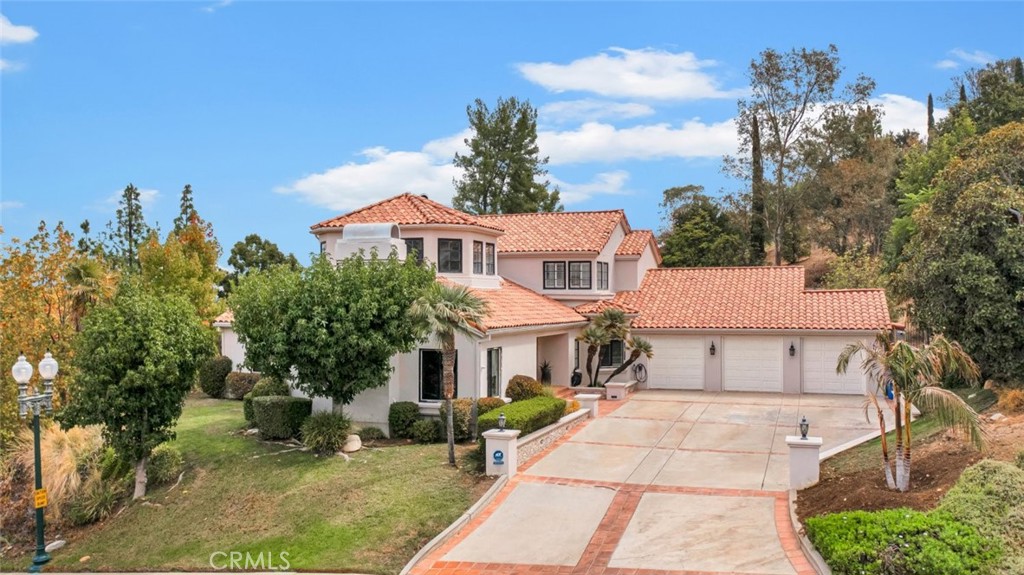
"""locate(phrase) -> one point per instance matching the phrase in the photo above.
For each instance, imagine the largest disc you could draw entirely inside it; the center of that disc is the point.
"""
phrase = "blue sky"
(284, 114)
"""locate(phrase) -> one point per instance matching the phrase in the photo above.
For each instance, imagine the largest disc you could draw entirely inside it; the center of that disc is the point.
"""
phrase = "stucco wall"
(231, 347)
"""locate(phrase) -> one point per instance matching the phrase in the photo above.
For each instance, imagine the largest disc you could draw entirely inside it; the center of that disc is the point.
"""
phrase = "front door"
(431, 374)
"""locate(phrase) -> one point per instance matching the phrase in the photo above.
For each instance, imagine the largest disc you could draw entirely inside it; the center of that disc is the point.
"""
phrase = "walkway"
(667, 483)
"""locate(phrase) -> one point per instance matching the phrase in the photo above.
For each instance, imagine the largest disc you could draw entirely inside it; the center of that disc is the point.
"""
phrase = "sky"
(283, 114)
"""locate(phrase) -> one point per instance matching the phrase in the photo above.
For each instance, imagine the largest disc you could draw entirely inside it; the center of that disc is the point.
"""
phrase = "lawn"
(370, 514)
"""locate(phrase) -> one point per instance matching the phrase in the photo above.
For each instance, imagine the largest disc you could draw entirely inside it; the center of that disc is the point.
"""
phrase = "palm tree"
(594, 338)
(915, 375)
(608, 325)
(89, 283)
(443, 311)
(638, 346)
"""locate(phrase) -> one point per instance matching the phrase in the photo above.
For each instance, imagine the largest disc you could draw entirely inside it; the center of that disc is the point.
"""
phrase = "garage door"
(820, 355)
(678, 362)
(752, 363)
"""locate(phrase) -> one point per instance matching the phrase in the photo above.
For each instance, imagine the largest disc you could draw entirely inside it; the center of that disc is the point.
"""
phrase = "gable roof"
(556, 232)
(406, 209)
(596, 307)
(634, 243)
(512, 305)
(750, 298)
(227, 318)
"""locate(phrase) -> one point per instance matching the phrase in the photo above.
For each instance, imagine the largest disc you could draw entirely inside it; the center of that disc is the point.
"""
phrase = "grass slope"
(368, 515)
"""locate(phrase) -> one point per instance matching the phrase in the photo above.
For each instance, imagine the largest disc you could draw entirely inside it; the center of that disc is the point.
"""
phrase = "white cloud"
(973, 57)
(643, 73)
(597, 142)
(607, 183)
(9, 66)
(589, 110)
(216, 6)
(15, 34)
(902, 113)
(946, 64)
(10, 205)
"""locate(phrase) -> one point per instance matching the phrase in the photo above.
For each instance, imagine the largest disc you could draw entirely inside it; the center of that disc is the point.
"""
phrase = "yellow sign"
(40, 496)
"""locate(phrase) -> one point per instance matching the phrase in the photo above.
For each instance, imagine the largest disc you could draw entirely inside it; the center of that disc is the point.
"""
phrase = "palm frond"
(951, 411)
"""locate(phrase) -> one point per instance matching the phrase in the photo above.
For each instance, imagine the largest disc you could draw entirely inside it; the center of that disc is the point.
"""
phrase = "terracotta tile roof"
(406, 209)
(513, 305)
(555, 231)
(634, 243)
(226, 317)
(750, 298)
(596, 307)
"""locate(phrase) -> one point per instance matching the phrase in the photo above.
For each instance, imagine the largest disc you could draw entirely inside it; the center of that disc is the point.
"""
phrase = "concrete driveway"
(671, 482)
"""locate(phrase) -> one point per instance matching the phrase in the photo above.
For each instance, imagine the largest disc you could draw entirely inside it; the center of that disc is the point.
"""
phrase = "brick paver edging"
(813, 557)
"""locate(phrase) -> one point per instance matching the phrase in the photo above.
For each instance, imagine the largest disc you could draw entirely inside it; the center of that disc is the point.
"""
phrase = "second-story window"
(449, 256)
(489, 259)
(554, 275)
(478, 257)
(602, 275)
(579, 275)
(414, 248)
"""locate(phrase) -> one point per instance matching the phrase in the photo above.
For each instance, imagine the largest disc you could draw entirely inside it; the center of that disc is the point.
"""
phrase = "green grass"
(866, 455)
(367, 515)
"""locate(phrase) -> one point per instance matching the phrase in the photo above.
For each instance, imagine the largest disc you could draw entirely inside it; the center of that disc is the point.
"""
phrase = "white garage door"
(820, 355)
(752, 363)
(678, 362)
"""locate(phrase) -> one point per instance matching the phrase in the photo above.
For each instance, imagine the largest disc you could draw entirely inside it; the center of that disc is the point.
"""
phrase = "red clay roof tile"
(513, 305)
(406, 209)
(556, 231)
(634, 243)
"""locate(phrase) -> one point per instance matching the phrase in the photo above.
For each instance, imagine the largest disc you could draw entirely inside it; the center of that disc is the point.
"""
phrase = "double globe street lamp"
(22, 372)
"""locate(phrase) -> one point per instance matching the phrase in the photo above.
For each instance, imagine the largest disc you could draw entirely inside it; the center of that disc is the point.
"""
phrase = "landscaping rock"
(84, 559)
(996, 417)
(55, 545)
(352, 444)
(252, 431)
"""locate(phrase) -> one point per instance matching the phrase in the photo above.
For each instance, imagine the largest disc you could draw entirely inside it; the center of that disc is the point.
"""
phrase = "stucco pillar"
(501, 451)
(804, 464)
(791, 364)
(589, 401)
(615, 390)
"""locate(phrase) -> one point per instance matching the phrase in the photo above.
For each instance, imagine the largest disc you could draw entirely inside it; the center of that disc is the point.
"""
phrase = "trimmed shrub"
(527, 416)
(571, 407)
(266, 386)
(370, 433)
(280, 416)
(239, 383)
(900, 541)
(164, 464)
(460, 417)
(1011, 401)
(212, 375)
(426, 431)
(523, 387)
(485, 404)
(325, 432)
(401, 417)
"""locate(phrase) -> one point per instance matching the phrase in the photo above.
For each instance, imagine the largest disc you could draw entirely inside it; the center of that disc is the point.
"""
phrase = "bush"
(460, 417)
(95, 501)
(1011, 401)
(371, 433)
(523, 387)
(68, 459)
(325, 432)
(426, 431)
(527, 416)
(239, 383)
(571, 407)
(164, 464)
(279, 416)
(401, 417)
(1020, 459)
(113, 467)
(485, 404)
(899, 541)
(266, 386)
(212, 375)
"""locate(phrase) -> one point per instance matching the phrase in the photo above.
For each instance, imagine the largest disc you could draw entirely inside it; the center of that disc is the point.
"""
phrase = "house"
(544, 275)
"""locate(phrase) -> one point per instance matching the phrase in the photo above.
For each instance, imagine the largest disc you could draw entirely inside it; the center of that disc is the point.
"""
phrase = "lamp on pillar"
(805, 426)
(501, 421)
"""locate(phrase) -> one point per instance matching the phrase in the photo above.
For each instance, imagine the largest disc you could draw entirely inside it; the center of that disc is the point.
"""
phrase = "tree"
(964, 266)
(503, 169)
(187, 210)
(757, 214)
(610, 324)
(790, 95)
(332, 326)
(931, 117)
(637, 346)
(991, 96)
(137, 358)
(702, 234)
(121, 242)
(915, 376)
(254, 254)
(444, 311)
(593, 338)
(37, 312)
(90, 282)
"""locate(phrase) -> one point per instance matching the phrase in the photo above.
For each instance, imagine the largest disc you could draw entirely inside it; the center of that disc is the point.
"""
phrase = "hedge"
(239, 383)
(401, 417)
(527, 416)
(280, 416)
(461, 409)
(485, 404)
(212, 374)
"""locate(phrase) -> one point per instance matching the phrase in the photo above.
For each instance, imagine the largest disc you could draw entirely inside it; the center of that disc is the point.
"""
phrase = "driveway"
(670, 482)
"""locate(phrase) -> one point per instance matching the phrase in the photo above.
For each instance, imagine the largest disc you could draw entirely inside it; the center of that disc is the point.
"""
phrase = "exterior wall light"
(805, 426)
(712, 350)
(501, 421)
(792, 349)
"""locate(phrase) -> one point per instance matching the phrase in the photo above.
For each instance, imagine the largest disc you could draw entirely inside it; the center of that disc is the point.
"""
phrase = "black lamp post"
(501, 421)
(805, 426)
(712, 349)
(22, 372)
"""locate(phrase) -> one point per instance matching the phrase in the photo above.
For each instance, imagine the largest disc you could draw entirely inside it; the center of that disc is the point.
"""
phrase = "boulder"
(352, 444)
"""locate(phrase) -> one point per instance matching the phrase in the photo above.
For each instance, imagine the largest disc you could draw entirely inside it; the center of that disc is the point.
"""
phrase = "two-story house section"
(574, 257)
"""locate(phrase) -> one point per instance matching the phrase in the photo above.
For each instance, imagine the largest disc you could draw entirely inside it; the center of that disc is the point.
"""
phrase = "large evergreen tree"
(503, 170)
(757, 221)
(255, 253)
(122, 240)
(701, 234)
(187, 209)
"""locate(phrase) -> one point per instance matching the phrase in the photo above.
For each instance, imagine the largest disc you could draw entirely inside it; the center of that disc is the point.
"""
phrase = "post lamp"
(805, 426)
(22, 372)
(501, 421)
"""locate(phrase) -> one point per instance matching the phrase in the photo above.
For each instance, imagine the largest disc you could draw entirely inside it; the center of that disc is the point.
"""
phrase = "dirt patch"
(935, 467)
